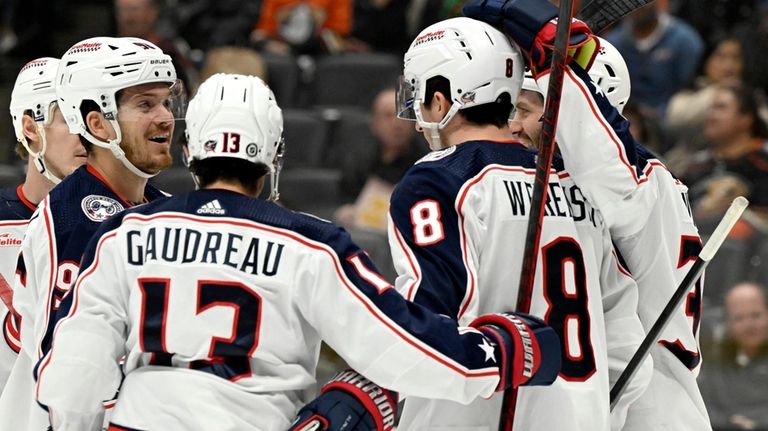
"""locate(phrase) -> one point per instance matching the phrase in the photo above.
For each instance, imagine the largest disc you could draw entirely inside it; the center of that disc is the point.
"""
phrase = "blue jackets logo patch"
(99, 208)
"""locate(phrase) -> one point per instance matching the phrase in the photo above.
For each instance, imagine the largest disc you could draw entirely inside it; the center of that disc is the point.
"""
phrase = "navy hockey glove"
(528, 351)
(532, 24)
(349, 402)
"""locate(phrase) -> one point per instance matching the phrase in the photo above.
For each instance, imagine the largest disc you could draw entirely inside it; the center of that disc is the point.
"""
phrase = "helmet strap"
(435, 127)
(274, 173)
(114, 146)
(38, 158)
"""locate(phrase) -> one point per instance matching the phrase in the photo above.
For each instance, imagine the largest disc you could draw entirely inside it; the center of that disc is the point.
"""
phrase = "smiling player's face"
(526, 125)
(146, 124)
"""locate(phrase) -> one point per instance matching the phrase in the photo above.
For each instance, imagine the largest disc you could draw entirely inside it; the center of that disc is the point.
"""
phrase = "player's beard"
(148, 156)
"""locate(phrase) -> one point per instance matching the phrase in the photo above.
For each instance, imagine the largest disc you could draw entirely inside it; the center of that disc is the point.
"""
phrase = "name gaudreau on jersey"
(562, 201)
(248, 254)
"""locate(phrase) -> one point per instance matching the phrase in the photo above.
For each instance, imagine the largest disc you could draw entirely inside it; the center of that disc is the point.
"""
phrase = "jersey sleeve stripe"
(53, 268)
(371, 277)
(410, 292)
(606, 127)
(13, 223)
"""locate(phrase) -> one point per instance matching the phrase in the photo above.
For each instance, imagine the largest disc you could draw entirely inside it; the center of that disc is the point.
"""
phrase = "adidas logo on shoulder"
(212, 207)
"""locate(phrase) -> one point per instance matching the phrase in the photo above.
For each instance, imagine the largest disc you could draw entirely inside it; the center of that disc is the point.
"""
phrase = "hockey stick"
(599, 14)
(540, 186)
(705, 256)
(6, 293)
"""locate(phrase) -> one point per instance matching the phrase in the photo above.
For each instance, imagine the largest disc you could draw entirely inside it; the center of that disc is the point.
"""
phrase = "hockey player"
(117, 94)
(652, 229)
(226, 297)
(458, 222)
(51, 153)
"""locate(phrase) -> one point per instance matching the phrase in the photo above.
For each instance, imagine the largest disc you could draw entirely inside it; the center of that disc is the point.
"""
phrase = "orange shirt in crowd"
(335, 15)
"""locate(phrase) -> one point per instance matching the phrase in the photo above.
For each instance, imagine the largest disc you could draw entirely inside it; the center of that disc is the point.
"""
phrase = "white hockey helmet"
(529, 83)
(34, 91)
(478, 61)
(236, 116)
(96, 69)
(610, 73)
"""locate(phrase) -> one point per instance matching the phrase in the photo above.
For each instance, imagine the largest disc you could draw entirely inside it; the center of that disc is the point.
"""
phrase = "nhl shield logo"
(99, 208)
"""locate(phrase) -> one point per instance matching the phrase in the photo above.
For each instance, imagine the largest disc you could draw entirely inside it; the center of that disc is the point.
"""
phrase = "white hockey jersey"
(46, 269)
(457, 227)
(649, 217)
(219, 303)
(15, 211)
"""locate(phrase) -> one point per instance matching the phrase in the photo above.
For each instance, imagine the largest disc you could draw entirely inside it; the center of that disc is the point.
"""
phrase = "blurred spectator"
(207, 24)
(28, 27)
(661, 52)
(734, 380)
(379, 25)
(688, 108)
(736, 161)
(303, 26)
(138, 18)
(369, 183)
(715, 19)
(7, 34)
(643, 129)
(233, 59)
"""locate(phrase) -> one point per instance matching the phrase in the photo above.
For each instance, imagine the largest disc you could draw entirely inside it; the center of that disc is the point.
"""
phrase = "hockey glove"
(528, 351)
(532, 24)
(349, 402)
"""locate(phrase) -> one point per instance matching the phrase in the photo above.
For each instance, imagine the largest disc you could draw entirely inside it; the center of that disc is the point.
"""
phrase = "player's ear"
(99, 126)
(441, 102)
(29, 128)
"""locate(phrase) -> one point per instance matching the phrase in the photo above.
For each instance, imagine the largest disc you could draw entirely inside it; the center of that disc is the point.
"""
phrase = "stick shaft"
(539, 197)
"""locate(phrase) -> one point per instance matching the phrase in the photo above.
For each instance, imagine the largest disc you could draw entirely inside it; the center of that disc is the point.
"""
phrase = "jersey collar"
(23, 199)
(91, 170)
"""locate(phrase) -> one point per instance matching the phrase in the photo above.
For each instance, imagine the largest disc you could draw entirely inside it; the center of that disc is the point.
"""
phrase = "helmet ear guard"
(236, 116)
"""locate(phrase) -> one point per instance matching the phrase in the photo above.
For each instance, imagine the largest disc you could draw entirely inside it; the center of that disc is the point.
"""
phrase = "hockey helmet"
(96, 69)
(610, 73)
(477, 60)
(34, 91)
(236, 116)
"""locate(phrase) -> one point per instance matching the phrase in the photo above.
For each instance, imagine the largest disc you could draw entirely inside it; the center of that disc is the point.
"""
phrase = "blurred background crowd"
(699, 75)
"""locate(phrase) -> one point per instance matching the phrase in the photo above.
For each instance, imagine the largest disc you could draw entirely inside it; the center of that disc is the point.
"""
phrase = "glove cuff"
(522, 367)
(379, 402)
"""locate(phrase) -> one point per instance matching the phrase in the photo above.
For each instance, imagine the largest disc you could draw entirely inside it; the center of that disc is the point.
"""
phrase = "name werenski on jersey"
(562, 201)
(184, 245)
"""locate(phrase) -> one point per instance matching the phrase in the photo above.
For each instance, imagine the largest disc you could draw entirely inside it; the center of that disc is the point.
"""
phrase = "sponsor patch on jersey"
(212, 207)
(8, 240)
(437, 155)
(99, 208)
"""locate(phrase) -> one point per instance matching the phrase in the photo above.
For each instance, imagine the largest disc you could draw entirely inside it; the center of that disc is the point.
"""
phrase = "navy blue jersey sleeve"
(427, 233)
